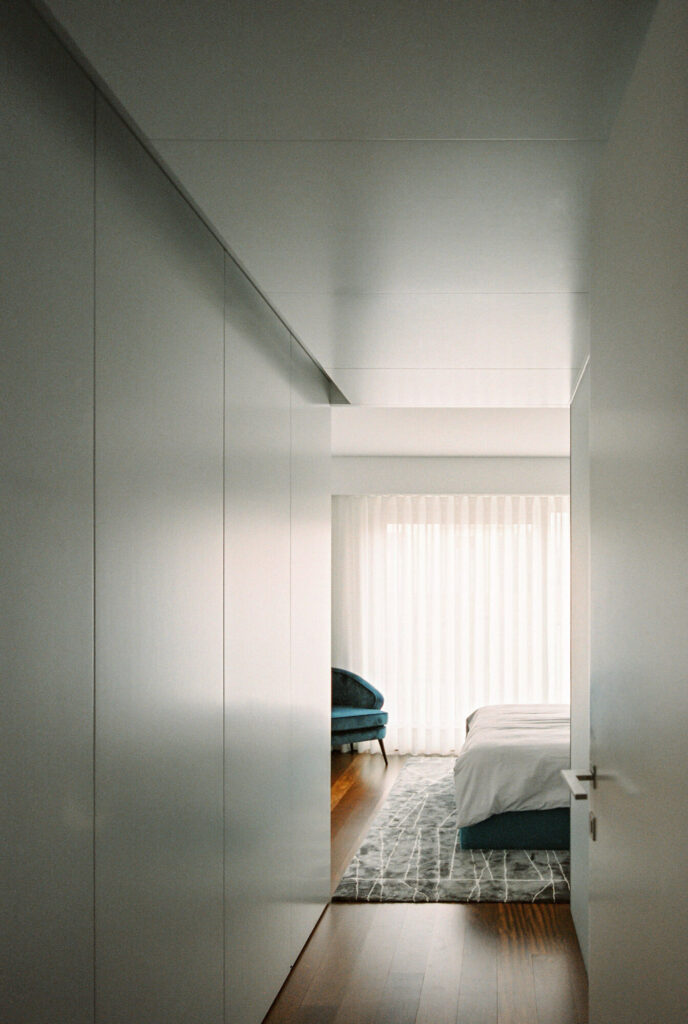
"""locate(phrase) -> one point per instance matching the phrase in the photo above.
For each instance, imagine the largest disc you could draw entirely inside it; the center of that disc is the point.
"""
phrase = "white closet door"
(257, 652)
(159, 541)
(46, 529)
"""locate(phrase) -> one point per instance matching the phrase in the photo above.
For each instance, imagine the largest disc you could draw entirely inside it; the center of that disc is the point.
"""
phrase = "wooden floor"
(437, 963)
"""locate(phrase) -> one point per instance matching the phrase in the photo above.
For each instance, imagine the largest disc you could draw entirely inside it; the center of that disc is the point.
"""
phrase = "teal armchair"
(356, 711)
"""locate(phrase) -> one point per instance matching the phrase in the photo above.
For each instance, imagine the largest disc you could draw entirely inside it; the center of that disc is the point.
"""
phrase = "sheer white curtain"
(448, 602)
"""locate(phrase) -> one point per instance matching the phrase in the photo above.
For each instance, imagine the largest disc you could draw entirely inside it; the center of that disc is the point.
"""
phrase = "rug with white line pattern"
(411, 852)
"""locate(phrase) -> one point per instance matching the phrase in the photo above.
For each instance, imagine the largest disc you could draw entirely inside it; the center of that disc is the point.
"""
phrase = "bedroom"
(449, 602)
(220, 222)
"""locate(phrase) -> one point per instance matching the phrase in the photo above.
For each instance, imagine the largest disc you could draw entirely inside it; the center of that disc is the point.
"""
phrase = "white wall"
(362, 430)
(166, 461)
(390, 475)
(639, 544)
(310, 704)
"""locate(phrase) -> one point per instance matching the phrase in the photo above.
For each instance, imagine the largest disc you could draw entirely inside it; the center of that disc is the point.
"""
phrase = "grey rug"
(411, 853)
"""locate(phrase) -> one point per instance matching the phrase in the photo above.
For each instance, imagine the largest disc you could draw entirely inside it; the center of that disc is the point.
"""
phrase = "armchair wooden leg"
(382, 748)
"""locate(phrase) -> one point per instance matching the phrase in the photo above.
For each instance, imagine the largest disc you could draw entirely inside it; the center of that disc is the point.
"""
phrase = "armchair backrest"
(351, 690)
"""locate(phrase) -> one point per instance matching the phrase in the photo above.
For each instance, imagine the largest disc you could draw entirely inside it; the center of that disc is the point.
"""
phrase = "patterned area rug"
(411, 853)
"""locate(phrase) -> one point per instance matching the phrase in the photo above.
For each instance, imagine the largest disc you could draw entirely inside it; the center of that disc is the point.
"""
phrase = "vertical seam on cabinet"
(224, 648)
(292, 861)
(93, 428)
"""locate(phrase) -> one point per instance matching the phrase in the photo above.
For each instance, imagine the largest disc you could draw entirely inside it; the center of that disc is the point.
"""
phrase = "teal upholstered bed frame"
(519, 830)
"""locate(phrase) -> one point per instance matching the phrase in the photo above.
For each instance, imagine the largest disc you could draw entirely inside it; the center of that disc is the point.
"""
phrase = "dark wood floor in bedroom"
(438, 963)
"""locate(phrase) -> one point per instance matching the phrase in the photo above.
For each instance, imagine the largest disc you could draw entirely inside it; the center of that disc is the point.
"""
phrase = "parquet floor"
(431, 963)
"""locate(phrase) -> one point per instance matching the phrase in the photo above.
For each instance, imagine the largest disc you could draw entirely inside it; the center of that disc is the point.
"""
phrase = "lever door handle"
(573, 780)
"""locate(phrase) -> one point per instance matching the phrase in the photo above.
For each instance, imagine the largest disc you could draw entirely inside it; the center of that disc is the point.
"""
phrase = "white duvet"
(512, 760)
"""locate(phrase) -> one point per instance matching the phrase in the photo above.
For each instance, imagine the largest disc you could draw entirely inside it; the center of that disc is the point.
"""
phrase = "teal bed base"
(519, 830)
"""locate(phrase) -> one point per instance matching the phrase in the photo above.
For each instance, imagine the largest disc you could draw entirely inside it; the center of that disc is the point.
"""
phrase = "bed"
(509, 790)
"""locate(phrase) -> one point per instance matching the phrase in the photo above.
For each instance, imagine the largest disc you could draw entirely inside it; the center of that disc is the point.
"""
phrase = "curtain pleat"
(449, 602)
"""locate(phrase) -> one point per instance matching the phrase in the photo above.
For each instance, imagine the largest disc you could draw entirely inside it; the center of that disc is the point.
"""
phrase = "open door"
(638, 958)
(580, 649)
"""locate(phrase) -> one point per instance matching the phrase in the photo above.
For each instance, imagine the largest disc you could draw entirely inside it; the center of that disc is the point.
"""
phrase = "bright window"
(448, 602)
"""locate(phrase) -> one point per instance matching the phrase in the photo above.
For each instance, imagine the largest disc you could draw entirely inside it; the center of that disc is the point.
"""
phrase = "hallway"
(433, 963)
(258, 258)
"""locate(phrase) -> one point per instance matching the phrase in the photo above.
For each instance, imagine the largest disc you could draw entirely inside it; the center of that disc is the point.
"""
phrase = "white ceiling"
(389, 256)
(409, 183)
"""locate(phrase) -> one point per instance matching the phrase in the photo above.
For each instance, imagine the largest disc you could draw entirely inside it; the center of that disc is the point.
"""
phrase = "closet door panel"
(159, 551)
(46, 528)
(309, 757)
(257, 651)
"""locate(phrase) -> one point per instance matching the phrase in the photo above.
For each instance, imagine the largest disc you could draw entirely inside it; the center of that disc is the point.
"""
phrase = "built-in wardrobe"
(165, 602)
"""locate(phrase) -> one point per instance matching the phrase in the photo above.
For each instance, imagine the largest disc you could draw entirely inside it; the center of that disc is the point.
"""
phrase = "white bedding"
(512, 760)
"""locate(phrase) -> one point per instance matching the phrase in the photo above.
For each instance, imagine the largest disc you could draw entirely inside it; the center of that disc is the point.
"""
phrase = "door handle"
(573, 780)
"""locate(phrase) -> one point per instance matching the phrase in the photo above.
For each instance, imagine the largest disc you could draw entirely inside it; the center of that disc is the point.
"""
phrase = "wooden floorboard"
(289, 1001)
(361, 783)
(553, 990)
(400, 998)
(477, 1002)
(515, 982)
(437, 963)
(439, 999)
(364, 990)
(329, 985)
